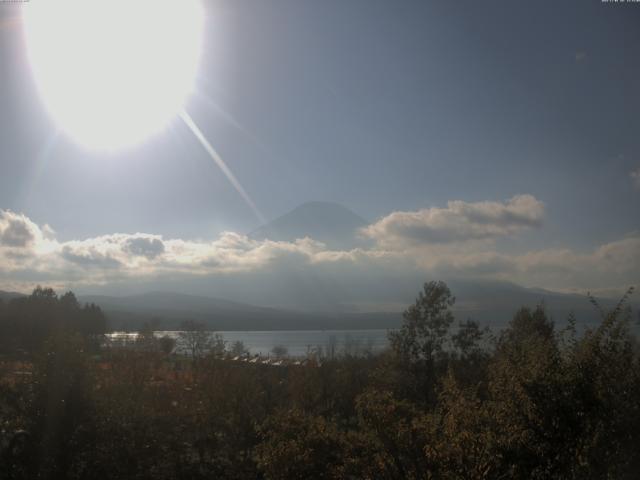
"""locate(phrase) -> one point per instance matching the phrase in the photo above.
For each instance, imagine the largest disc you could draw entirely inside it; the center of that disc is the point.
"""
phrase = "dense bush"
(532, 403)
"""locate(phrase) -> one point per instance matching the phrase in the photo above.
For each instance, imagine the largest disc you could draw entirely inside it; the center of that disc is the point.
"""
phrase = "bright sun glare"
(112, 73)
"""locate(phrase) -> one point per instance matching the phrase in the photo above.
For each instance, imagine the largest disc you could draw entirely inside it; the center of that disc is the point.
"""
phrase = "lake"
(297, 342)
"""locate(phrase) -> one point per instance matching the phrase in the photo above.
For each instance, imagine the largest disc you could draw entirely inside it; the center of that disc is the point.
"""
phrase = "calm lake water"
(297, 342)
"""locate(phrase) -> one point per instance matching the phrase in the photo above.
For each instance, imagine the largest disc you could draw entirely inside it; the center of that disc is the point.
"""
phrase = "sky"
(480, 139)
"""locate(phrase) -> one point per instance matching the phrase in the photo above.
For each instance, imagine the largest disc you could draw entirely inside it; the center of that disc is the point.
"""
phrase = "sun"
(112, 73)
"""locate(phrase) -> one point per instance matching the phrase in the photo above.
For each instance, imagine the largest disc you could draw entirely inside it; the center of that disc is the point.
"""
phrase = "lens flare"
(112, 73)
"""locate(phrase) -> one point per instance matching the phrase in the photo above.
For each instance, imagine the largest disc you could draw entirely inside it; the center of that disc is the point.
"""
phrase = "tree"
(167, 344)
(146, 339)
(68, 301)
(238, 348)
(426, 323)
(217, 345)
(299, 446)
(279, 351)
(198, 342)
(28, 321)
(44, 295)
(468, 340)
(400, 436)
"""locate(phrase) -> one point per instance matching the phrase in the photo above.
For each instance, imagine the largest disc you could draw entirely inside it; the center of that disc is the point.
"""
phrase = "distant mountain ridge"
(170, 309)
(328, 222)
(6, 296)
(490, 303)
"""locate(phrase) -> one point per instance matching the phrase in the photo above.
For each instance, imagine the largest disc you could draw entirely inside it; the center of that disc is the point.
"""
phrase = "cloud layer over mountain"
(457, 241)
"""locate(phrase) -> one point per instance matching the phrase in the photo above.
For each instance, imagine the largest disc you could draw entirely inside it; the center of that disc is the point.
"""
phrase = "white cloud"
(32, 255)
(458, 222)
(17, 231)
(148, 246)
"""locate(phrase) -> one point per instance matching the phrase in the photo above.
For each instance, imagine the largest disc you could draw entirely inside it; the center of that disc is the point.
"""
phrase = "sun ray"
(231, 120)
(221, 164)
(41, 163)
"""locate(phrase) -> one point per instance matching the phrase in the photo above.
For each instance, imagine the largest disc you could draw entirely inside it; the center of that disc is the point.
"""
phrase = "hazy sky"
(383, 106)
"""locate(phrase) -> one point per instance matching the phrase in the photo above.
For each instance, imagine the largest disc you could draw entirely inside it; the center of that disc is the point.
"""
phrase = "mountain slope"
(494, 303)
(328, 222)
(6, 296)
(170, 309)
(490, 303)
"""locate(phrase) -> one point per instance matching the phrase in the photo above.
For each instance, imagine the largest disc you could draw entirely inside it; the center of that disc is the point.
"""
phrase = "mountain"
(327, 222)
(6, 296)
(494, 303)
(170, 309)
(491, 303)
